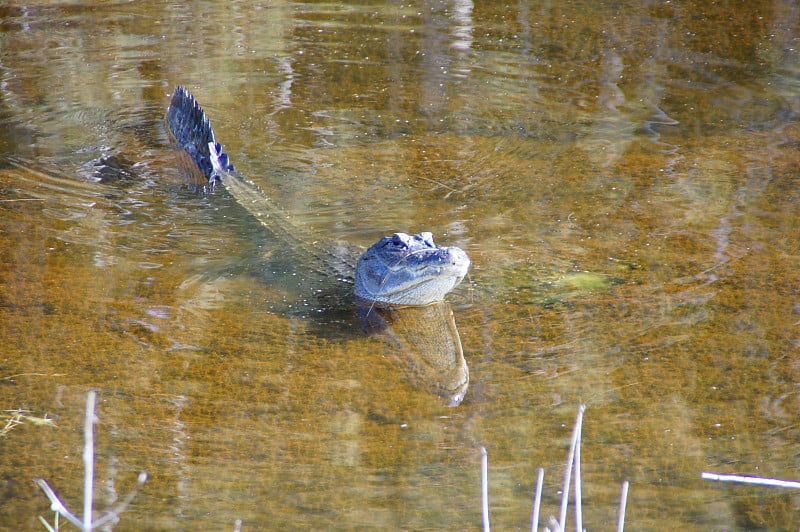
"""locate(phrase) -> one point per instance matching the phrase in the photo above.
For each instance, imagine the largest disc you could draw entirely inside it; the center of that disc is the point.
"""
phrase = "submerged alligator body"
(402, 270)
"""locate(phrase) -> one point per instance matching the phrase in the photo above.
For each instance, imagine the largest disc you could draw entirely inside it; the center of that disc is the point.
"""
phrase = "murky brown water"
(653, 146)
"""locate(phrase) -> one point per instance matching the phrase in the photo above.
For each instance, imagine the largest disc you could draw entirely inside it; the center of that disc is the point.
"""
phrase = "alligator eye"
(399, 241)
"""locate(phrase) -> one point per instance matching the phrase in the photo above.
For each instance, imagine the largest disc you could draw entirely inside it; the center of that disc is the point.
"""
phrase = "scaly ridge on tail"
(191, 129)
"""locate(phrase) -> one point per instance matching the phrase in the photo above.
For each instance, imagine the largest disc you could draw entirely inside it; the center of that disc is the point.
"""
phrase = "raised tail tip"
(191, 129)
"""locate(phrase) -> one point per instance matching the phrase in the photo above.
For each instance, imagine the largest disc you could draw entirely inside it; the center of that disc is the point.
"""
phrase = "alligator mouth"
(422, 290)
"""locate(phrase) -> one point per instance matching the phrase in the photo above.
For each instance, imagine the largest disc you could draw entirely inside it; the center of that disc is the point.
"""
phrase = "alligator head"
(409, 270)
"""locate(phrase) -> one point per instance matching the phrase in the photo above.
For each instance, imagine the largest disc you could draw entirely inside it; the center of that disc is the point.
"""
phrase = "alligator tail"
(190, 129)
(202, 163)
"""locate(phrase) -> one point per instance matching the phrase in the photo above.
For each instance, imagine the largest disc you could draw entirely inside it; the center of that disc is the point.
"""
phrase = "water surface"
(624, 178)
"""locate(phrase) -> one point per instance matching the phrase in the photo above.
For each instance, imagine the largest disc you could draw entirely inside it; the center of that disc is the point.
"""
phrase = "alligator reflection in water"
(425, 343)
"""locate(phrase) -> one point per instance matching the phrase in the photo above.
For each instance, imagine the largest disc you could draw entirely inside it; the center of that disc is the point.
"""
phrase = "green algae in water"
(584, 281)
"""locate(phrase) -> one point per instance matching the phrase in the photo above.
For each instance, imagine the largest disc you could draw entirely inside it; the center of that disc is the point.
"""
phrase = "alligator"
(400, 281)
(397, 270)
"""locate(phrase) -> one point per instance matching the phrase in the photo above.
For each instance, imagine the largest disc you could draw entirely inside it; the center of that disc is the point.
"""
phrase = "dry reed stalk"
(111, 516)
(573, 461)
